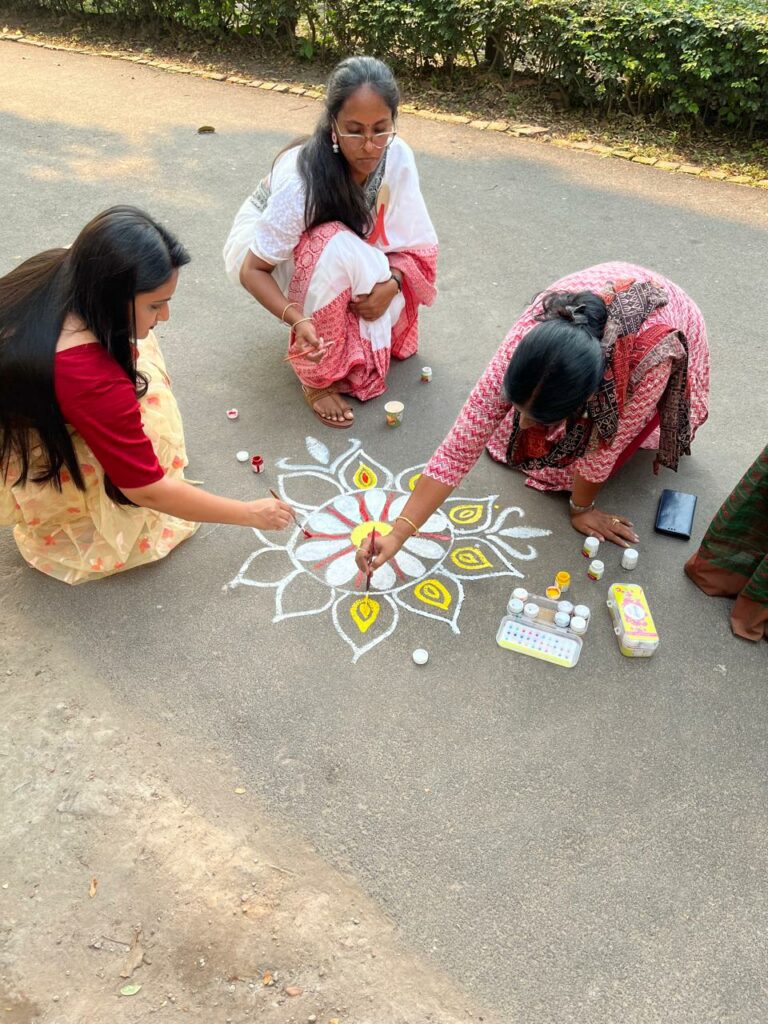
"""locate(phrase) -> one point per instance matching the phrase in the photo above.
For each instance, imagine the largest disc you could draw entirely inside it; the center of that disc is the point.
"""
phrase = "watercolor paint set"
(543, 628)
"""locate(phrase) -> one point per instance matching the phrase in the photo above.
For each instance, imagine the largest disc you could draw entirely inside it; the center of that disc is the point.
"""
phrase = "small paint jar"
(591, 547)
(563, 580)
(565, 606)
(562, 619)
(426, 374)
(394, 413)
(232, 414)
(553, 593)
(242, 456)
(578, 625)
(520, 593)
(515, 606)
(582, 612)
(596, 569)
(531, 610)
(257, 463)
(420, 656)
(629, 559)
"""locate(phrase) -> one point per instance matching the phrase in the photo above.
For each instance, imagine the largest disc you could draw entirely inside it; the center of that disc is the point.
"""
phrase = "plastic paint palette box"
(632, 620)
(540, 637)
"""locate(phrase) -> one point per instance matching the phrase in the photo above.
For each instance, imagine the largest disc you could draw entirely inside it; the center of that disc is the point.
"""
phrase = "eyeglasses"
(380, 140)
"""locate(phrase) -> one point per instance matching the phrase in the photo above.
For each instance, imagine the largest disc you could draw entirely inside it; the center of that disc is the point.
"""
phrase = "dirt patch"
(139, 883)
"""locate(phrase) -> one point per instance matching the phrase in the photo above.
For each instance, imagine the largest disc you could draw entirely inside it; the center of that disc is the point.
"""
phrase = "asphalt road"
(572, 846)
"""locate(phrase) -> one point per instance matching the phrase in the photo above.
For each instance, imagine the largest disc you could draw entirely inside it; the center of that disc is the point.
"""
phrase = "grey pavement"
(572, 846)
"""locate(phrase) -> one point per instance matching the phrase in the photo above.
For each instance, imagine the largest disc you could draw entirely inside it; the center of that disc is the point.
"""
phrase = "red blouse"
(98, 400)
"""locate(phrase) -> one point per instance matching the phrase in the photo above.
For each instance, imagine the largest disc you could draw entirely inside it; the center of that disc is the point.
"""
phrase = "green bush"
(702, 61)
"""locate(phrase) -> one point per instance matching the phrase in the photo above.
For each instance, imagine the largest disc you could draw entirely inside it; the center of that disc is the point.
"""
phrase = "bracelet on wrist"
(303, 320)
(405, 519)
(396, 279)
(577, 510)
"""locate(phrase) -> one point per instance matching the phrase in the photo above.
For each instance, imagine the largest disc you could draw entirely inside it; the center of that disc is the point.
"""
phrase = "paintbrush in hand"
(306, 352)
(370, 560)
(303, 529)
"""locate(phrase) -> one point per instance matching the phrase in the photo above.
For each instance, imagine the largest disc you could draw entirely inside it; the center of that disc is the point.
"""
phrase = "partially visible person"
(337, 243)
(732, 560)
(608, 360)
(92, 449)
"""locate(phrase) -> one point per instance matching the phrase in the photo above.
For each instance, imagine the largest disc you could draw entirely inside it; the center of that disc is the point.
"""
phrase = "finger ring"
(615, 519)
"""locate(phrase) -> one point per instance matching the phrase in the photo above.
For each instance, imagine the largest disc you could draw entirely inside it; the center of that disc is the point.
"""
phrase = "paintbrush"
(293, 513)
(305, 353)
(370, 559)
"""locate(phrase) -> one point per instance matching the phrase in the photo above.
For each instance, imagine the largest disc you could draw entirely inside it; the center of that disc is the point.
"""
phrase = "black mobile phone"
(674, 516)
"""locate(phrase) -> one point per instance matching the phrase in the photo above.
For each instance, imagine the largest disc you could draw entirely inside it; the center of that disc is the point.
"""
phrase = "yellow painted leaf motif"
(433, 592)
(466, 515)
(364, 613)
(413, 481)
(470, 559)
(364, 477)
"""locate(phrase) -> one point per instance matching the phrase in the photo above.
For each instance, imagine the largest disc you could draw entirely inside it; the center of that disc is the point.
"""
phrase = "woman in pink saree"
(337, 243)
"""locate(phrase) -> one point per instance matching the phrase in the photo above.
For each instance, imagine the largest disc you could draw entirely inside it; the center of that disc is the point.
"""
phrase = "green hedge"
(690, 60)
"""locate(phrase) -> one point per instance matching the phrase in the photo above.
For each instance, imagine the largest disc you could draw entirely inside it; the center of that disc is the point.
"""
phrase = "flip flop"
(312, 395)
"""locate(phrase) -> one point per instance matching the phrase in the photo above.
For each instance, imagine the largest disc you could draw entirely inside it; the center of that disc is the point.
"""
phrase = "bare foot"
(334, 408)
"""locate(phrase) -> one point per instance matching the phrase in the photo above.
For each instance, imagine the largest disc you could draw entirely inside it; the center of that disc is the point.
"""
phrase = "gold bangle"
(405, 519)
(302, 321)
(282, 316)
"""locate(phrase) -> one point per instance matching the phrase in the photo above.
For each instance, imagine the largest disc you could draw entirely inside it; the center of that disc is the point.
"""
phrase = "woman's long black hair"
(559, 363)
(119, 254)
(331, 191)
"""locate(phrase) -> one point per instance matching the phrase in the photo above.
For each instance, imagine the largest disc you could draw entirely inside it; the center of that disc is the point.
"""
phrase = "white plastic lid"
(581, 611)
(578, 624)
(565, 606)
(562, 619)
(515, 606)
(531, 610)
(520, 593)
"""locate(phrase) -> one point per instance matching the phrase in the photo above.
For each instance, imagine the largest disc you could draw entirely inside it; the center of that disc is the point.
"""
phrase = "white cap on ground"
(242, 456)
(420, 656)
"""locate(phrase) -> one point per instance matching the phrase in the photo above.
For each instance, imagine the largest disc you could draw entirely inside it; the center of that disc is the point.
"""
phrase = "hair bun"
(575, 314)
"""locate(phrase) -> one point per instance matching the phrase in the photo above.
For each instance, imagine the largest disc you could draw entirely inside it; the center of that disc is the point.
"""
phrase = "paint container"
(629, 559)
(242, 456)
(257, 463)
(515, 606)
(553, 593)
(520, 593)
(578, 625)
(531, 610)
(596, 569)
(565, 606)
(582, 612)
(563, 580)
(562, 619)
(420, 656)
(394, 413)
(426, 374)
(232, 414)
(591, 547)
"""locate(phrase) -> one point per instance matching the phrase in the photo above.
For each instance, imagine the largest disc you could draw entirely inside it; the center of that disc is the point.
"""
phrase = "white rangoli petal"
(374, 502)
(397, 507)
(384, 578)
(319, 550)
(341, 570)
(437, 523)
(409, 565)
(349, 507)
(425, 548)
(325, 522)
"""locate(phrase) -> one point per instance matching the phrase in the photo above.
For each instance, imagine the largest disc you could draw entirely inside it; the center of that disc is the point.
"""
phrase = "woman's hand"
(377, 302)
(385, 548)
(268, 514)
(605, 526)
(307, 342)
